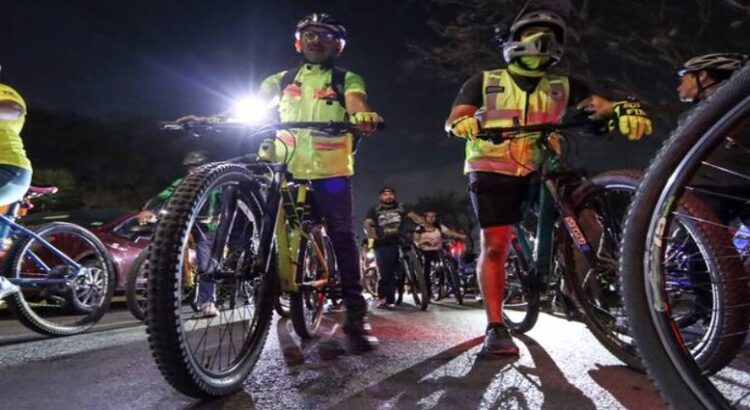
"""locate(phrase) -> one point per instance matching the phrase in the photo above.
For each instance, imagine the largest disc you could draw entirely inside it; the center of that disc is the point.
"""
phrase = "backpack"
(338, 75)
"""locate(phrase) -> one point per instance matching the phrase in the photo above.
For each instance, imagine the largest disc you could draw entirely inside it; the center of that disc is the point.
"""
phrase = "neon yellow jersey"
(11, 146)
(314, 154)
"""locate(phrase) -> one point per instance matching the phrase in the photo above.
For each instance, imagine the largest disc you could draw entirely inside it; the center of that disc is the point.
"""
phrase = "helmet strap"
(702, 88)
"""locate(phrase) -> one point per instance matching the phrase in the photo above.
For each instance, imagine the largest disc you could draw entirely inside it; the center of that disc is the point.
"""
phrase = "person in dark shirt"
(524, 93)
(384, 225)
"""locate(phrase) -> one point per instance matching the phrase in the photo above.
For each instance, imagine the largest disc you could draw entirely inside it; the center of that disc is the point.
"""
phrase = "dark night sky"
(113, 59)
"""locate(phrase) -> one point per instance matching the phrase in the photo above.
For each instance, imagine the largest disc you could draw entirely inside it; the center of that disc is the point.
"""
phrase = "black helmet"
(728, 62)
(195, 158)
(513, 47)
(321, 20)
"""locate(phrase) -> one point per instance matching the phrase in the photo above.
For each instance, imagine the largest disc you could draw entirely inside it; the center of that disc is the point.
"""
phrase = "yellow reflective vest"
(504, 103)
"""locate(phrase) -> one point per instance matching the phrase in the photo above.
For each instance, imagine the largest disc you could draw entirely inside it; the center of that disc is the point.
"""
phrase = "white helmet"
(513, 47)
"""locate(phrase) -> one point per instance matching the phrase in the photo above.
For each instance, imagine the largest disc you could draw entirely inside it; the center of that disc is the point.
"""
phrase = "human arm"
(12, 106)
(627, 116)
(451, 233)
(416, 218)
(461, 121)
(355, 99)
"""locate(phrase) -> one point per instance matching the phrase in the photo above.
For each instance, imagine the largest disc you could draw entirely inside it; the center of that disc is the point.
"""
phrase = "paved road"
(427, 360)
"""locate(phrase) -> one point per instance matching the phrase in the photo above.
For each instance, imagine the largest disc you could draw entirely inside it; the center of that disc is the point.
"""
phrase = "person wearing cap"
(15, 167)
(523, 93)
(384, 226)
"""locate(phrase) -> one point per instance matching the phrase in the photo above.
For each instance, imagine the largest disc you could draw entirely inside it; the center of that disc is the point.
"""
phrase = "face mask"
(534, 62)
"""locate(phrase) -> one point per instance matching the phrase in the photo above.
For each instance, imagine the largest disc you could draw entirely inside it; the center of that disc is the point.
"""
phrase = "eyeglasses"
(322, 36)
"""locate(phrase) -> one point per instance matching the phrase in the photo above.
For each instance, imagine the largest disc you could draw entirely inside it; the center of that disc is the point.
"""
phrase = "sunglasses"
(322, 36)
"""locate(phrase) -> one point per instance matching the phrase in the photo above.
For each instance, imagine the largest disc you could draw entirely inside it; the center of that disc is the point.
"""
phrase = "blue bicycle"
(63, 272)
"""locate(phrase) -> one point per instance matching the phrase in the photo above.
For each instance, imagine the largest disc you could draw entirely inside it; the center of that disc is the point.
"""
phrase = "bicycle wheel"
(135, 286)
(218, 209)
(521, 297)
(700, 148)
(600, 206)
(65, 308)
(455, 280)
(414, 270)
(315, 267)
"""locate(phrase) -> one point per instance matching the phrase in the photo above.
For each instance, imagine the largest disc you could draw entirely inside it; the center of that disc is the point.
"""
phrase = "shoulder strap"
(288, 77)
(338, 77)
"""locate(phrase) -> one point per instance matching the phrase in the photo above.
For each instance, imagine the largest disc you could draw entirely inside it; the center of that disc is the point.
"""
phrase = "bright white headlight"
(251, 110)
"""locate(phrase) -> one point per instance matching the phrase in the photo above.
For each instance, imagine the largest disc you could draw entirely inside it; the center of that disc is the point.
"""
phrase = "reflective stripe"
(503, 167)
(502, 114)
(287, 138)
(328, 145)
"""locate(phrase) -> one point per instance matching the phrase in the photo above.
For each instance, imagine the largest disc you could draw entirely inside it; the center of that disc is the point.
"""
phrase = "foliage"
(453, 211)
(617, 48)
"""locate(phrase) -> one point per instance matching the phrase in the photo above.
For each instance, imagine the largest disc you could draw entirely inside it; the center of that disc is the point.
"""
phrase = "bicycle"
(706, 156)
(266, 239)
(65, 277)
(444, 273)
(411, 272)
(562, 257)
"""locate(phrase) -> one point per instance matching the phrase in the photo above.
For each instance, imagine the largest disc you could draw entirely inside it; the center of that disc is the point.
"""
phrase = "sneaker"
(6, 288)
(498, 343)
(358, 334)
(209, 309)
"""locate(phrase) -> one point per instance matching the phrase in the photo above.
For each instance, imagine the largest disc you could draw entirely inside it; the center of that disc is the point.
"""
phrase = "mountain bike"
(265, 238)
(445, 277)
(707, 156)
(411, 272)
(64, 273)
(563, 256)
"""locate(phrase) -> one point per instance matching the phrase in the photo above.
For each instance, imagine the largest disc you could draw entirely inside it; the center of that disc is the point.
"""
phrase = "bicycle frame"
(10, 227)
(551, 204)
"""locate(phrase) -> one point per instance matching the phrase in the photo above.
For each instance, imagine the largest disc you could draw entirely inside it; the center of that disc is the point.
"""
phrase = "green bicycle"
(264, 239)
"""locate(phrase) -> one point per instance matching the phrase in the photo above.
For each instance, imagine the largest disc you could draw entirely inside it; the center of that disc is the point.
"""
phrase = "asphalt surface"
(426, 360)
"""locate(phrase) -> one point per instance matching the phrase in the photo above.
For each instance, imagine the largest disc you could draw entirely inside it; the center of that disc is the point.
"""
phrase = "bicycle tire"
(678, 378)
(135, 297)
(169, 340)
(455, 279)
(517, 274)
(414, 271)
(306, 305)
(28, 310)
(599, 297)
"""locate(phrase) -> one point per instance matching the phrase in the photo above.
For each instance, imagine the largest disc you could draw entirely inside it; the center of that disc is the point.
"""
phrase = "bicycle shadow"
(457, 378)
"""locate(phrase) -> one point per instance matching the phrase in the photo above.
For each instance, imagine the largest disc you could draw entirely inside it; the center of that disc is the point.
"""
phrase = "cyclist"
(429, 237)
(499, 175)
(202, 237)
(700, 77)
(384, 225)
(15, 167)
(318, 90)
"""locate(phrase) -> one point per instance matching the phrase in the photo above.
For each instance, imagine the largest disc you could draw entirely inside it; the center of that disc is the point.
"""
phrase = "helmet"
(321, 20)
(513, 47)
(195, 158)
(729, 62)
(387, 189)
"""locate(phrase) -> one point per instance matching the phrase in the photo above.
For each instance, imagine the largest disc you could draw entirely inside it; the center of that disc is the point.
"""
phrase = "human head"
(535, 40)
(430, 217)
(387, 195)
(194, 159)
(700, 76)
(320, 38)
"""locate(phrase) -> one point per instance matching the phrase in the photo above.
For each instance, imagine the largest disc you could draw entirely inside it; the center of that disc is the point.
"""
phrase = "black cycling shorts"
(498, 199)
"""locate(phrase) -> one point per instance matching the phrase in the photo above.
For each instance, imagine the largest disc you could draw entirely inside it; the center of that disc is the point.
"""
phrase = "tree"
(453, 211)
(617, 48)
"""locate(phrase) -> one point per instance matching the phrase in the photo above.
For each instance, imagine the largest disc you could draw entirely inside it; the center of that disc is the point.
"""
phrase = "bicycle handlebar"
(332, 127)
(499, 135)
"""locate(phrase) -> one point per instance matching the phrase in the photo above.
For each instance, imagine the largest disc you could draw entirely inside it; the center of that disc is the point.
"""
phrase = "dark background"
(98, 75)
